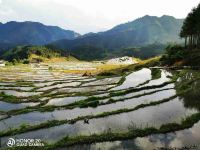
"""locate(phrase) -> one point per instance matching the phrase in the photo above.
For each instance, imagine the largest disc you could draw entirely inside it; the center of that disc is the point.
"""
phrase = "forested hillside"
(189, 54)
(34, 33)
(138, 33)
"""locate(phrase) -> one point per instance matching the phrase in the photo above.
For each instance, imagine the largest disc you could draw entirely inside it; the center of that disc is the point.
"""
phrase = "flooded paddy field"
(138, 110)
(188, 139)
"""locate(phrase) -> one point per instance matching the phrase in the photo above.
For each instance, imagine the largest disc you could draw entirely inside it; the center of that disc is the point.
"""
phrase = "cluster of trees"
(143, 52)
(22, 53)
(191, 28)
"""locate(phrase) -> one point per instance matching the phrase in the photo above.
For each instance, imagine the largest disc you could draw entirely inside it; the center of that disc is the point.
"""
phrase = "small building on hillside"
(2, 63)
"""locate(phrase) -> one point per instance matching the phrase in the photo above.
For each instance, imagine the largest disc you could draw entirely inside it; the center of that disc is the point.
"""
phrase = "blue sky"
(90, 15)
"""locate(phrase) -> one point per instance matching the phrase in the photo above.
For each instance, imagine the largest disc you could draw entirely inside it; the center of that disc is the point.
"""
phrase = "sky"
(85, 16)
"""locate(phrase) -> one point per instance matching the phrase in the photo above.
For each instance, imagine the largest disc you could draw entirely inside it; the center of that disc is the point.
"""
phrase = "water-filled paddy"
(188, 139)
(65, 100)
(162, 79)
(4, 106)
(39, 117)
(169, 112)
(72, 84)
(138, 106)
(20, 94)
(134, 79)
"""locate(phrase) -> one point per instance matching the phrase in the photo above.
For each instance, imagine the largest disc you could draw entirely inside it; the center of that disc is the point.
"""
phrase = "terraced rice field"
(86, 112)
(188, 139)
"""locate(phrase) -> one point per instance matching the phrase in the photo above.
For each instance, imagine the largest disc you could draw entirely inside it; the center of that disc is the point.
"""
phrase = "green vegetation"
(53, 123)
(89, 102)
(190, 53)
(96, 101)
(15, 99)
(191, 29)
(118, 93)
(34, 33)
(174, 54)
(88, 52)
(155, 73)
(152, 62)
(144, 37)
(182, 88)
(9, 98)
(108, 46)
(123, 71)
(106, 74)
(132, 133)
(179, 56)
(143, 52)
(26, 54)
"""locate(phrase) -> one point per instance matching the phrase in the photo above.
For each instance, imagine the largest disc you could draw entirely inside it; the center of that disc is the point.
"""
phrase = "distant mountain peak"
(163, 16)
(142, 31)
(24, 22)
(147, 16)
(35, 33)
(155, 17)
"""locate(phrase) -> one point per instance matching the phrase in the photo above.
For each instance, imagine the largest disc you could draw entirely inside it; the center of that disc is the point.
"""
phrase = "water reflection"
(189, 81)
(188, 139)
(172, 111)
(39, 117)
(168, 112)
(135, 78)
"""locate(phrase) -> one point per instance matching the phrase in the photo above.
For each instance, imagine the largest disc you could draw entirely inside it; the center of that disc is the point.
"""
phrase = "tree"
(191, 28)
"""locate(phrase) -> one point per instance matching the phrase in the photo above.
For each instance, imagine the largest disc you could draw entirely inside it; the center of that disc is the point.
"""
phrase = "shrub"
(174, 53)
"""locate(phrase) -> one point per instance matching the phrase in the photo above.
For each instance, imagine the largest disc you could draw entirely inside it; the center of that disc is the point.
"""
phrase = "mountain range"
(33, 33)
(140, 32)
(128, 38)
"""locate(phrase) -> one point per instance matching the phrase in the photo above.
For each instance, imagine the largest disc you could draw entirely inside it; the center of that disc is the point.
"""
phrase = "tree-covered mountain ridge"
(34, 33)
(143, 31)
(144, 37)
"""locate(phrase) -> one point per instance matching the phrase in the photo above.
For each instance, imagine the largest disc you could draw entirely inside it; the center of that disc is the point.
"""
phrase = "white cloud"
(90, 15)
